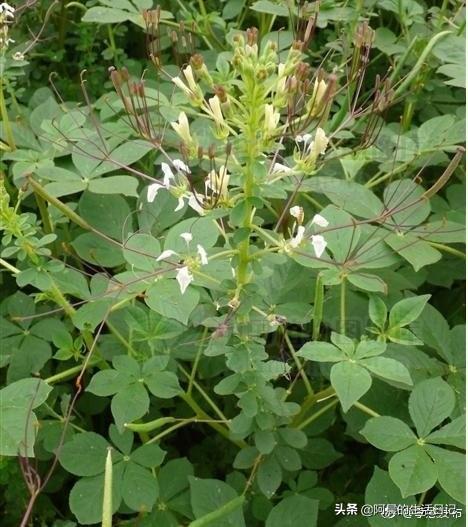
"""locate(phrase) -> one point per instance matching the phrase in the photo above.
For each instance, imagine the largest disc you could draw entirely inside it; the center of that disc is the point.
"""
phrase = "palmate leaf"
(18, 423)
(350, 381)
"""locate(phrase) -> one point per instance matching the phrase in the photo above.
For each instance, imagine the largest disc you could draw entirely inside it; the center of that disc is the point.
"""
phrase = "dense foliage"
(232, 262)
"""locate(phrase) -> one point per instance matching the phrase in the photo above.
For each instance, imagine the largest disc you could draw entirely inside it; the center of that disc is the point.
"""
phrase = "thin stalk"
(71, 372)
(447, 249)
(196, 361)
(366, 409)
(5, 119)
(317, 414)
(343, 307)
(318, 308)
(419, 64)
(8, 266)
(299, 365)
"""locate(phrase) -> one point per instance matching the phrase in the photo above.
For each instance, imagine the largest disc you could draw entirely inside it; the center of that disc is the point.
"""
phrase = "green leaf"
(141, 251)
(388, 369)
(381, 489)
(165, 298)
(377, 311)
(108, 214)
(164, 384)
(18, 423)
(108, 382)
(403, 336)
(125, 185)
(405, 197)
(320, 453)
(84, 455)
(265, 441)
(388, 433)
(269, 476)
(430, 403)
(148, 455)
(203, 231)
(208, 495)
(139, 488)
(130, 403)
(93, 249)
(368, 282)
(413, 471)
(369, 348)
(414, 250)
(265, 6)
(350, 382)
(408, 310)
(293, 437)
(344, 240)
(452, 433)
(105, 15)
(321, 352)
(294, 511)
(450, 467)
(87, 494)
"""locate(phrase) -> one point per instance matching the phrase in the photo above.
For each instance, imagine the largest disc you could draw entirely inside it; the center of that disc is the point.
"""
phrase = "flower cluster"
(184, 274)
(7, 14)
(178, 185)
(318, 241)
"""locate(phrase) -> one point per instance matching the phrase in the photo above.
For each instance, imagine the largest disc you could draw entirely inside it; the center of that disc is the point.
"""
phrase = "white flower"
(297, 212)
(182, 129)
(319, 244)
(18, 56)
(315, 104)
(218, 181)
(215, 107)
(184, 277)
(296, 241)
(165, 254)
(180, 165)
(187, 236)
(202, 254)
(278, 169)
(306, 139)
(320, 143)
(192, 91)
(152, 191)
(168, 175)
(7, 10)
(272, 118)
(320, 221)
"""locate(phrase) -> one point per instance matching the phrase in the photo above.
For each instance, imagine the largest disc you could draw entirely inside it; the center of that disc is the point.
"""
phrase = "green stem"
(310, 401)
(196, 361)
(200, 413)
(317, 414)
(343, 307)
(419, 64)
(205, 396)
(8, 266)
(299, 365)
(71, 372)
(212, 518)
(45, 216)
(318, 308)
(448, 249)
(366, 409)
(5, 119)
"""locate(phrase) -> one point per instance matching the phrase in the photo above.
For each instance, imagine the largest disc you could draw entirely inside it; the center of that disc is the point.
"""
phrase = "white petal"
(180, 165)
(295, 242)
(320, 220)
(187, 236)
(165, 254)
(195, 205)
(168, 175)
(184, 277)
(319, 244)
(152, 192)
(180, 204)
(306, 138)
(296, 212)
(278, 168)
(202, 253)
